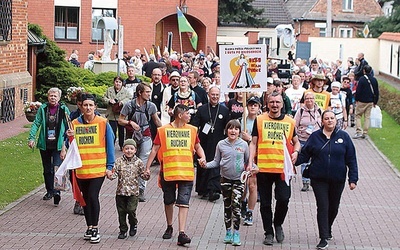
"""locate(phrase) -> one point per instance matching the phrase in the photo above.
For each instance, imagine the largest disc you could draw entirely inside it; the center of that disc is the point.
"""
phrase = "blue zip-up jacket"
(332, 163)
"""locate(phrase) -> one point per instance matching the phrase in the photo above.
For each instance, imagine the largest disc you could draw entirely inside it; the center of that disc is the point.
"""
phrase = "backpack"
(302, 110)
(133, 104)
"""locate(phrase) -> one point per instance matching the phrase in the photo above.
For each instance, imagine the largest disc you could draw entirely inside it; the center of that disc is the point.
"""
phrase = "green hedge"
(389, 100)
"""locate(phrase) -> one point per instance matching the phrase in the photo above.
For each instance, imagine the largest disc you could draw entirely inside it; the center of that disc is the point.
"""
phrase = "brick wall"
(366, 7)
(13, 56)
(139, 19)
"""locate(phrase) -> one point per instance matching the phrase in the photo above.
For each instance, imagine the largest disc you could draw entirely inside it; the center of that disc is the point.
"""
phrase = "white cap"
(336, 84)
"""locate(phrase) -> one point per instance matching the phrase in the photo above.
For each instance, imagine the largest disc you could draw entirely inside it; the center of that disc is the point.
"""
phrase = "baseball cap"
(336, 84)
(254, 99)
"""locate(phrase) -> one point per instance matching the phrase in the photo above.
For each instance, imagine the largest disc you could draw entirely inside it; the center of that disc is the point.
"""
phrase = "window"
(5, 20)
(346, 32)
(265, 40)
(98, 34)
(322, 32)
(347, 5)
(66, 26)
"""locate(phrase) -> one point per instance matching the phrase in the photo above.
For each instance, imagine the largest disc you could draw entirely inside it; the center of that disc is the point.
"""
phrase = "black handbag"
(306, 171)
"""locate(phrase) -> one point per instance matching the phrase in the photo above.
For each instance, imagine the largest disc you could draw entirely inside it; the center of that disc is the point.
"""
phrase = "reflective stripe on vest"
(176, 152)
(270, 154)
(91, 142)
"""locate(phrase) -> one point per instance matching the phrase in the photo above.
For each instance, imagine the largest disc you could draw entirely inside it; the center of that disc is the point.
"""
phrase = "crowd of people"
(246, 144)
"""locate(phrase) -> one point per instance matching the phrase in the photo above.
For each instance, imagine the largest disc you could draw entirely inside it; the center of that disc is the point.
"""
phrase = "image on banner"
(243, 68)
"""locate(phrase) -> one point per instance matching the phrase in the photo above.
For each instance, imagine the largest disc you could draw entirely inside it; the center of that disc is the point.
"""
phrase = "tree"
(240, 11)
(386, 24)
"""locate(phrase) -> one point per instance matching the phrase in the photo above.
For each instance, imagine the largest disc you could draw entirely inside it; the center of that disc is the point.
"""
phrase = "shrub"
(389, 101)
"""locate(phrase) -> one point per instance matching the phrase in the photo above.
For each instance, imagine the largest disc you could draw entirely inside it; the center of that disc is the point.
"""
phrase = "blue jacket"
(332, 163)
(364, 93)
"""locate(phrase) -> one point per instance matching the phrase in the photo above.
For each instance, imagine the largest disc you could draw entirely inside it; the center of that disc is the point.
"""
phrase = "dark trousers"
(126, 205)
(265, 182)
(208, 180)
(90, 189)
(327, 194)
(121, 132)
(50, 159)
(232, 191)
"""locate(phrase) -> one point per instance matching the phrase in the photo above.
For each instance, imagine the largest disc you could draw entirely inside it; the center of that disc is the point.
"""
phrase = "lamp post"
(183, 6)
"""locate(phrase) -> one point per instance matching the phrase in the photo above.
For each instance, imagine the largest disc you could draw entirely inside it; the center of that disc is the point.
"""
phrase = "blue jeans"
(143, 152)
(169, 190)
(50, 159)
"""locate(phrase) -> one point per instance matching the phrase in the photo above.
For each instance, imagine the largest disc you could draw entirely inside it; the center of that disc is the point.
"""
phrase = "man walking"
(211, 120)
(269, 131)
(367, 96)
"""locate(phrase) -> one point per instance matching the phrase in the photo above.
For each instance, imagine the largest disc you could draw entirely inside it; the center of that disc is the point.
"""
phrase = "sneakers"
(141, 196)
(213, 197)
(269, 240)
(95, 236)
(228, 237)
(359, 136)
(280, 236)
(57, 199)
(47, 197)
(88, 234)
(323, 244)
(236, 239)
(133, 230)
(183, 239)
(306, 187)
(122, 235)
(248, 219)
(168, 233)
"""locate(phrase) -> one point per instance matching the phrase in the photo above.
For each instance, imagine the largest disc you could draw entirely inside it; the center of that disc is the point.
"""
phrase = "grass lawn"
(21, 169)
(386, 140)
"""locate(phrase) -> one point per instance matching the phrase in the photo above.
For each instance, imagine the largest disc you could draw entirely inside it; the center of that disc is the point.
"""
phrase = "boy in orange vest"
(175, 143)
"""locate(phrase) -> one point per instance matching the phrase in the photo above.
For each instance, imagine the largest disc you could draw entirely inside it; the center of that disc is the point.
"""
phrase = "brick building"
(15, 80)
(72, 23)
(348, 17)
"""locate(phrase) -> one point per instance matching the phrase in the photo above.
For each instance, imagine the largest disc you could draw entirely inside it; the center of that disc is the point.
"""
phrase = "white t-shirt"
(338, 104)
(295, 96)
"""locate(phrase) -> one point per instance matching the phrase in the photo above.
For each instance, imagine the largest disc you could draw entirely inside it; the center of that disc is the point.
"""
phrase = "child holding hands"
(128, 168)
(231, 155)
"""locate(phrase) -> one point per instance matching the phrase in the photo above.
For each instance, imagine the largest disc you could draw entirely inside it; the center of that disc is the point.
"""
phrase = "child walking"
(128, 168)
(231, 155)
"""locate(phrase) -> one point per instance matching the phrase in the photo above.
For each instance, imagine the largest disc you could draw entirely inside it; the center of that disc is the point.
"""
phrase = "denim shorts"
(169, 190)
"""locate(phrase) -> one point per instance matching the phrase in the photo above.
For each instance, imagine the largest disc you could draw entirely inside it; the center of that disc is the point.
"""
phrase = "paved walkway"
(369, 216)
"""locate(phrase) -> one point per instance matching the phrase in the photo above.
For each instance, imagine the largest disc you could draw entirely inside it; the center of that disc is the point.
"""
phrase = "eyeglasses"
(174, 80)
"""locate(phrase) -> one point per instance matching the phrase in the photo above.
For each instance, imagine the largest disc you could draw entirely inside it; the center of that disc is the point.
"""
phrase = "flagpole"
(180, 41)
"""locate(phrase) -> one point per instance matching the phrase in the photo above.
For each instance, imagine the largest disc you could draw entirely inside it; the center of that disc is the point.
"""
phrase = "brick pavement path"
(369, 217)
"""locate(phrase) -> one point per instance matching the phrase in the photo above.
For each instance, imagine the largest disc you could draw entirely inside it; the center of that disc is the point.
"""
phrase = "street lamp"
(184, 7)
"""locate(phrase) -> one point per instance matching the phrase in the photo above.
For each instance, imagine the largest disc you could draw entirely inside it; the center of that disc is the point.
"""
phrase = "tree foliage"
(386, 24)
(240, 11)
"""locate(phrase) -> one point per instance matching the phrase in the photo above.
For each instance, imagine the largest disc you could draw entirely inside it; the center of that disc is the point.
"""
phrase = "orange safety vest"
(270, 154)
(176, 152)
(321, 99)
(91, 140)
